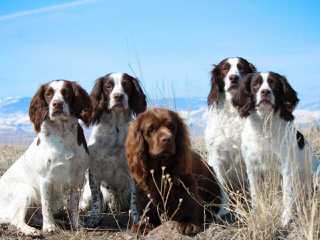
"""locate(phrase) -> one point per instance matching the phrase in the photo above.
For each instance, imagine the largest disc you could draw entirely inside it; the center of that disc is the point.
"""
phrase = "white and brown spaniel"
(116, 99)
(54, 164)
(270, 141)
(223, 131)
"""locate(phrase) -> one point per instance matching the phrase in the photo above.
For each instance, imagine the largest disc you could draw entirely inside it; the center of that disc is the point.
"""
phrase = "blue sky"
(169, 45)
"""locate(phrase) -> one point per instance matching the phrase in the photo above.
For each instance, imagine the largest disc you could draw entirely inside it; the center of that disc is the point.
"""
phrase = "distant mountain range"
(15, 126)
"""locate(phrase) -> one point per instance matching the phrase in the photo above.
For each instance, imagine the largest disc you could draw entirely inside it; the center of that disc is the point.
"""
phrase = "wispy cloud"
(53, 8)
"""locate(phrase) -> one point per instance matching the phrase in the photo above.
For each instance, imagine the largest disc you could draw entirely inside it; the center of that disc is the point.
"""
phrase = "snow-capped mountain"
(15, 126)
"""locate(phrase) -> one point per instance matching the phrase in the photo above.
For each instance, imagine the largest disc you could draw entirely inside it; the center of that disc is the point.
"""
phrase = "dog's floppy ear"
(243, 100)
(183, 156)
(38, 109)
(137, 100)
(288, 101)
(81, 104)
(136, 151)
(217, 86)
(252, 67)
(98, 100)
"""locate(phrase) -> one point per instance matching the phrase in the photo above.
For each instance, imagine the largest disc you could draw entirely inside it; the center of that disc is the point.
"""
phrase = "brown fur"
(99, 100)
(81, 138)
(142, 156)
(208, 186)
(81, 103)
(38, 109)
(137, 99)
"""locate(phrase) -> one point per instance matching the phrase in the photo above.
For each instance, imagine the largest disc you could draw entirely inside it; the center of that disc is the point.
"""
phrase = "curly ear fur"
(183, 156)
(243, 99)
(217, 86)
(81, 104)
(98, 100)
(38, 109)
(135, 152)
(137, 100)
(288, 99)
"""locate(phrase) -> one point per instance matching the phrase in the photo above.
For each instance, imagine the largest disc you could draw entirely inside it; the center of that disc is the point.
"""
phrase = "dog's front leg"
(134, 212)
(253, 161)
(73, 206)
(218, 160)
(97, 203)
(46, 205)
(288, 193)
(253, 182)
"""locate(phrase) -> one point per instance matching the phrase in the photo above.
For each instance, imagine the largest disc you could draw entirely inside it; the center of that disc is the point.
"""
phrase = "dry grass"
(8, 154)
(265, 222)
(263, 225)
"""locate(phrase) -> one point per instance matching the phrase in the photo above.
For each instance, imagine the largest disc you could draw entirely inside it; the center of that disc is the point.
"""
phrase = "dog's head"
(59, 100)
(158, 137)
(226, 77)
(266, 92)
(117, 92)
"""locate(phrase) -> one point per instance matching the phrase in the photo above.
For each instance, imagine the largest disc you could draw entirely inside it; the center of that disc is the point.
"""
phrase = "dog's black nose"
(57, 104)
(165, 139)
(234, 79)
(118, 97)
(265, 92)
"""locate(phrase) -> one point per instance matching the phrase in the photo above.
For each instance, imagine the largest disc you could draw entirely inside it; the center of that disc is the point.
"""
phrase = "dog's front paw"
(91, 220)
(49, 228)
(286, 220)
(29, 231)
(188, 228)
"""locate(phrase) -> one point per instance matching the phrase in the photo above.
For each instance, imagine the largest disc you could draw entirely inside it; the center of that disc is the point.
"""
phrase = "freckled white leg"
(252, 160)
(288, 194)
(86, 196)
(253, 181)
(96, 203)
(19, 218)
(134, 212)
(219, 170)
(73, 209)
(316, 173)
(45, 192)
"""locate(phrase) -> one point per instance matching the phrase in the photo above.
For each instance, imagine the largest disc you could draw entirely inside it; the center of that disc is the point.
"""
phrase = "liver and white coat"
(224, 126)
(53, 166)
(116, 98)
(270, 140)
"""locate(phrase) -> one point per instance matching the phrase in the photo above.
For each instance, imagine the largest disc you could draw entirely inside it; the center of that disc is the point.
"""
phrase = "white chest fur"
(62, 158)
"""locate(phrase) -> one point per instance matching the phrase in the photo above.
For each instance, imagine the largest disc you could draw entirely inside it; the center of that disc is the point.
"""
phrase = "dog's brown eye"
(225, 67)
(256, 83)
(49, 93)
(125, 85)
(109, 85)
(66, 93)
(170, 127)
(151, 129)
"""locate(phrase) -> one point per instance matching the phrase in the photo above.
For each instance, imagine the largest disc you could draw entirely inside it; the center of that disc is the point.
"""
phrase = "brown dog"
(157, 144)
